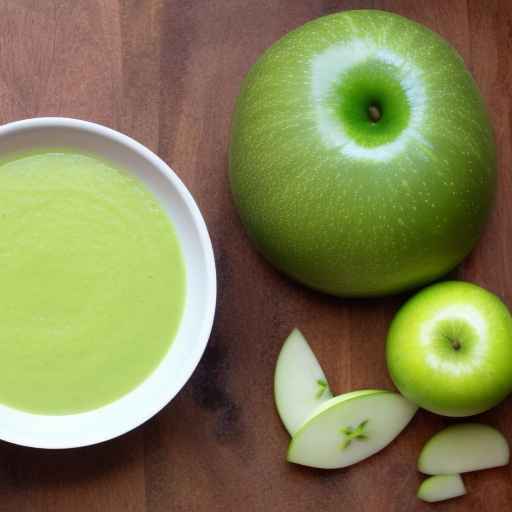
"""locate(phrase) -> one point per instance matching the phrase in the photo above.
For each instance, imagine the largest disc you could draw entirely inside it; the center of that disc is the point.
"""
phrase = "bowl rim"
(158, 165)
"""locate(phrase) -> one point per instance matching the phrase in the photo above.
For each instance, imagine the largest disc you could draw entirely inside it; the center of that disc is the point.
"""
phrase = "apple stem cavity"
(353, 433)
(374, 113)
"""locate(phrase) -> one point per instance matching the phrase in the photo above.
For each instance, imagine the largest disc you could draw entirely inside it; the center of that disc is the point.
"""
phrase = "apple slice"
(463, 447)
(350, 428)
(441, 487)
(300, 385)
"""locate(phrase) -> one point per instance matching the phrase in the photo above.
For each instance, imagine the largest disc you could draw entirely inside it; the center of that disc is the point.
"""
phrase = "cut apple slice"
(300, 385)
(463, 447)
(350, 428)
(441, 487)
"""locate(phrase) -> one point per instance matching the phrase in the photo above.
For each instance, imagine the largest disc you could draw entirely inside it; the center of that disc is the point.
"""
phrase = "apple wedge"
(441, 487)
(463, 447)
(349, 428)
(300, 385)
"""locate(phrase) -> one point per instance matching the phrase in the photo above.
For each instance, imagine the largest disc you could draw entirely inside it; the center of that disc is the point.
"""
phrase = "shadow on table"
(23, 468)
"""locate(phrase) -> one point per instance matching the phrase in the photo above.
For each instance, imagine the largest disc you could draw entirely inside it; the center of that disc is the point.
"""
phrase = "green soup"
(92, 282)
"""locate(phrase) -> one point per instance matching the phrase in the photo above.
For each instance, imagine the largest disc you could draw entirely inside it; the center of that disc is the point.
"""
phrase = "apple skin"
(449, 349)
(350, 206)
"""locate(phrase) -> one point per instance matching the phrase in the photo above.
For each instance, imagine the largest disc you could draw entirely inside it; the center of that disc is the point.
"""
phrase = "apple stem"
(374, 113)
(456, 344)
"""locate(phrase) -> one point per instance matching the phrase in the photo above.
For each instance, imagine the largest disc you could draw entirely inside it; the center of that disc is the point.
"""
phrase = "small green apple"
(441, 487)
(449, 349)
(463, 447)
(349, 428)
(362, 160)
(300, 385)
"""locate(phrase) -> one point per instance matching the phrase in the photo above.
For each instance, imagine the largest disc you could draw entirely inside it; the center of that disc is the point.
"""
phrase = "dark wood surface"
(167, 73)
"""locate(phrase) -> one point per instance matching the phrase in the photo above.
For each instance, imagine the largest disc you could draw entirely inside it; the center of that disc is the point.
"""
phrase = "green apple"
(449, 349)
(300, 385)
(362, 160)
(441, 487)
(464, 447)
(349, 428)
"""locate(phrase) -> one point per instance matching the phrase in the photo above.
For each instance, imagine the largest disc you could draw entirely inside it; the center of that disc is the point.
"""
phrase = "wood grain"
(167, 73)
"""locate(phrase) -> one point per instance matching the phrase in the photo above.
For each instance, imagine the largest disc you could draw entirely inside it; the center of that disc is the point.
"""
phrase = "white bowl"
(190, 342)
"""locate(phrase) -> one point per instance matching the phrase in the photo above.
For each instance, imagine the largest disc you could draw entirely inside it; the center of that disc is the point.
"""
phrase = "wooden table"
(167, 73)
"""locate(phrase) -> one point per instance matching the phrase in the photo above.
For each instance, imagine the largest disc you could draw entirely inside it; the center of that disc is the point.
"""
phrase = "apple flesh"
(362, 159)
(441, 487)
(300, 385)
(449, 349)
(462, 448)
(349, 428)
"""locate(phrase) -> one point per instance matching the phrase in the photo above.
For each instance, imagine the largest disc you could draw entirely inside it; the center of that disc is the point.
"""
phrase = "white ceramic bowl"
(177, 366)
